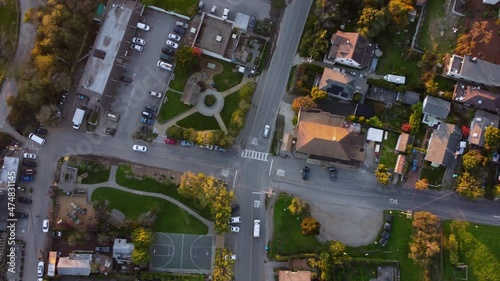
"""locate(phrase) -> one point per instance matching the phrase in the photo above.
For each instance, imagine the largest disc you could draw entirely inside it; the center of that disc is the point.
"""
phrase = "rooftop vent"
(478, 119)
(218, 38)
(479, 102)
(100, 54)
(475, 135)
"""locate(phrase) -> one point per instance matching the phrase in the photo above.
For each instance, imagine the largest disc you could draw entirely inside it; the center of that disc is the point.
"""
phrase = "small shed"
(375, 135)
(400, 164)
(402, 142)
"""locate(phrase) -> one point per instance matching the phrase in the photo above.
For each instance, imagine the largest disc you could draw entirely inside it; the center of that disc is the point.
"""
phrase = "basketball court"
(185, 252)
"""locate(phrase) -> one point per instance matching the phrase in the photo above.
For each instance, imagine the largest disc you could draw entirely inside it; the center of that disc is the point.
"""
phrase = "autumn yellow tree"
(318, 94)
(382, 174)
(298, 206)
(305, 102)
(477, 34)
(422, 184)
(425, 243)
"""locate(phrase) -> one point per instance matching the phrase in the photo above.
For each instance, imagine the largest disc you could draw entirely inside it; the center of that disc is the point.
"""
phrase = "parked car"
(230, 257)
(235, 220)
(172, 44)
(24, 200)
(220, 149)
(333, 173)
(41, 131)
(251, 22)
(181, 24)
(305, 173)
(155, 94)
(27, 155)
(140, 148)
(235, 208)
(147, 121)
(170, 141)
(143, 26)
(28, 163)
(19, 215)
(27, 178)
(179, 30)
(126, 79)
(148, 114)
(225, 13)
(166, 58)
(174, 37)
(45, 225)
(187, 143)
(40, 269)
(383, 242)
(168, 51)
(139, 41)
(200, 7)
(56, 234)
(415, 164)
(151, 107)
(234, 229)
(266, 131)
(214, 8)
(164, 65)
(385, 235)
(136, 47)
(209, 146)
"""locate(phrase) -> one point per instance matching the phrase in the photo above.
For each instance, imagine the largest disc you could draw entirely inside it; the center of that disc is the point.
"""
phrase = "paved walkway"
(215, 109)
(162, 128)
(112, 183)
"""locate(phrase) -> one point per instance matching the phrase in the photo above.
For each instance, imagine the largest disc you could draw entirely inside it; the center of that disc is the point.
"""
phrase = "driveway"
(258, 8)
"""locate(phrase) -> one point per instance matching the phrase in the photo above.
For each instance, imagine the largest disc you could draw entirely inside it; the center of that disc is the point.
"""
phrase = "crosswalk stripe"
(160, 139)
(31, 145)
(256, 155)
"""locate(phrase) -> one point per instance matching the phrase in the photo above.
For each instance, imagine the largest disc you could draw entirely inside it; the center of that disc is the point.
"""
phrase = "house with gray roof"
(435, 110)
(478, 126)
(474, 70)
(443, 145)
(477, 97)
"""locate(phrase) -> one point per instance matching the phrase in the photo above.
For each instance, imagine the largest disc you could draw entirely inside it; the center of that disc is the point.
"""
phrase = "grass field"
(479, 249)
(172, 108)
(184, 7)
(396, 249)
(287, 236)
(170, 217)
(97, 177)
(434, 175)
(228, 78)
(181, 77)
(387, 155)
(199, 121)
(230, 106)
(152, 185)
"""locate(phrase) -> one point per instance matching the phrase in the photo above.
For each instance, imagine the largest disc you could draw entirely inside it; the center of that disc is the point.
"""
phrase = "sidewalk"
(112, 184)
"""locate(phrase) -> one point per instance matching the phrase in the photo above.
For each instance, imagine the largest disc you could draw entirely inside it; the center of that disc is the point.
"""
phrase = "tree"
(223, 265)
(375, 122)
(416, 117)
(186, 58)
(491, 138)
(453, 249)
(318, 94)
(331, 257)
(473, 160)
(469, 186)
(303, 102)
(298, 206)
(465, 132)
(477, 34)
(48, 115)
(382, 174)
(140, 255)
(424, 244)
(310, 226)
(422, 184)
(189, 134)
(373, 21)
(405, 127)
(175, 132)
(399, 10)
(142, 237)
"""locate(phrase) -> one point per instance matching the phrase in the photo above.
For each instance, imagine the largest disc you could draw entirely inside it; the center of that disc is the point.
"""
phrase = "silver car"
(136, 47)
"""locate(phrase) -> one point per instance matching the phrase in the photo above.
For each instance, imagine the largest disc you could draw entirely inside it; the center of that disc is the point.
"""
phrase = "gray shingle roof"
(436, 107)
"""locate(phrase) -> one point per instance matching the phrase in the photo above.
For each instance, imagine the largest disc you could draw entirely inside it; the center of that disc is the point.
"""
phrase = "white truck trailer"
(256, 228)
(396, 79)
(78, 118)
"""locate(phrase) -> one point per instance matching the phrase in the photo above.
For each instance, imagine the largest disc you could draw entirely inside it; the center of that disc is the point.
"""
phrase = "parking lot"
(141, 66)
(257, 8)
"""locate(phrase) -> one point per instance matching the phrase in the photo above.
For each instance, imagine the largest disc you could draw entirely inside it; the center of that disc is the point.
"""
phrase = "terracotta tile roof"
(351, 45)
(477, 97)
(330, 74)
(402, 142)
(294, 276)
(400, 164)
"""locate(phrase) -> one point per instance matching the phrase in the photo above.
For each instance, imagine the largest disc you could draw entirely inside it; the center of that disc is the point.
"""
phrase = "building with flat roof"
(478, 125)
(474, 70)
(107, 57)
(75, 264)
(9, 172)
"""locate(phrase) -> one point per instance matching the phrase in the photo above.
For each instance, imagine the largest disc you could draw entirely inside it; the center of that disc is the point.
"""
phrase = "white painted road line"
(497, 217)
(235, 176)
(256, 155)
(271, 167)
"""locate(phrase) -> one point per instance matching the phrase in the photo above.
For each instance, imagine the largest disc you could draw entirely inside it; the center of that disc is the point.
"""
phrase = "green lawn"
(181, 77)
(291, 78)
(199, 122)
(396, 249)
(445, 84)
(228, 78)
(170, 217)
(387, 155)
(173, 107)
(97, 177)
(8, 29)
(152, 185)
(287, 238)
(184, 7)
(264, 58)
(395, 116)
(434, 175)
(479, 249)
(230, 106)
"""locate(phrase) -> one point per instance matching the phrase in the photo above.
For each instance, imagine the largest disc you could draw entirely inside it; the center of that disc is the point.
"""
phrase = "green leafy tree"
(382, 174)
(186, 58)
(303, 102)
(310, 226)
(298, 206)
(142, 237)
(189, 134)
(175, 132)
(469, 186)
(473, 160)
(332, 257)
(375, 122)
(491, 138)
(318, 94)
(416, 117)
(140, 255)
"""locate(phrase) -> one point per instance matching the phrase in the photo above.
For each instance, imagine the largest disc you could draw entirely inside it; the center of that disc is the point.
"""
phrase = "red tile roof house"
(477, 97)
(351, 49)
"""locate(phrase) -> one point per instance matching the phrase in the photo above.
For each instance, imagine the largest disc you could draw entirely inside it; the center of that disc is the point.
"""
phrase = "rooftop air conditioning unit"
(218, 38)
(478, 119)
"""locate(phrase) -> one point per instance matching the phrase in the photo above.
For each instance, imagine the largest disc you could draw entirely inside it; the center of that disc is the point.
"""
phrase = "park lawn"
(171, 218)
(228, 78)
(199, 122)
(181, 76)
(231, 102)
(97, 177)
(433, 175)
(478, 249)
(173, 107)
(152, 185)
(184, 7)
(287, 236)
(396, 248)
(387, 155)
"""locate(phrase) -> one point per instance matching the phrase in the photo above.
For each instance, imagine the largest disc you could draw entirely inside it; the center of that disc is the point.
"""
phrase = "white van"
(36, 139)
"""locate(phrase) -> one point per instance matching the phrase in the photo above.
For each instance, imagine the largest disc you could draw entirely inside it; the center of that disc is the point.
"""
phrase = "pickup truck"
(256, 228)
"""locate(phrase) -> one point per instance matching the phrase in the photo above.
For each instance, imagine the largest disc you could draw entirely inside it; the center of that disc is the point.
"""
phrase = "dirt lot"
(352, 226)
(65, 207)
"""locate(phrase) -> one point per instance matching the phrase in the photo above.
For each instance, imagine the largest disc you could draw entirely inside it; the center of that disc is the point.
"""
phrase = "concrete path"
(112, 183)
